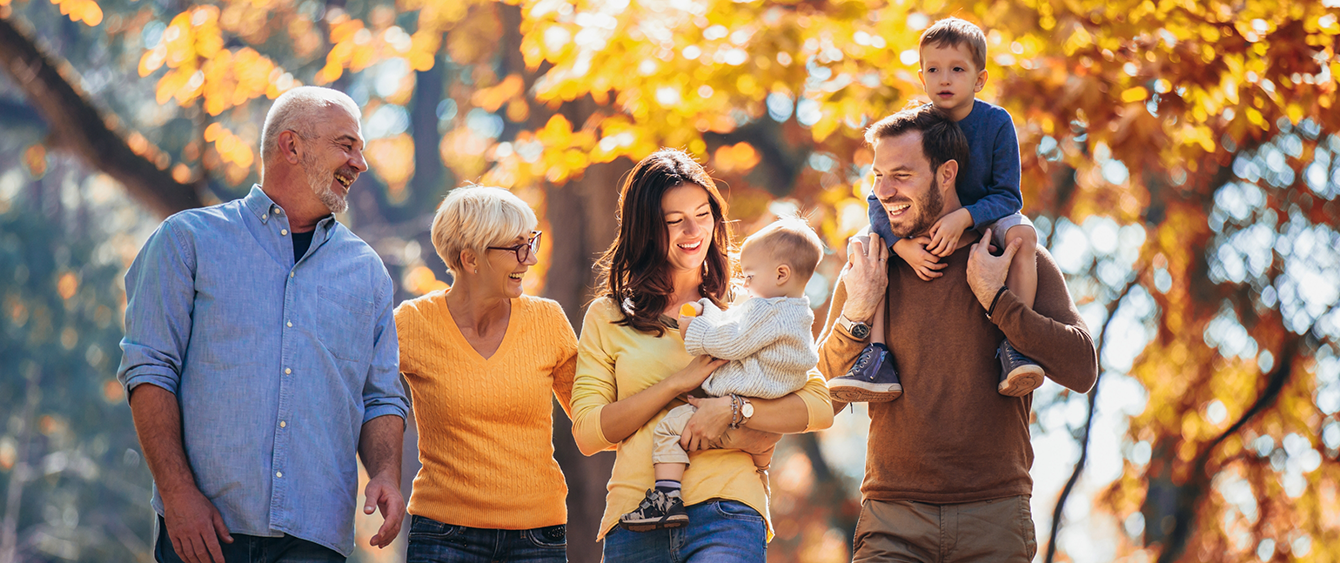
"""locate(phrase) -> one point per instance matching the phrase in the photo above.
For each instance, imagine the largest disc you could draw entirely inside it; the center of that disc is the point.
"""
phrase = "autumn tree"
(1178, 156)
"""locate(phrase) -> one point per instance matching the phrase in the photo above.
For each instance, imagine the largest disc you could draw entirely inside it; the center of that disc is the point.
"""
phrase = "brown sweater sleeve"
(1052, 333)
(837, 349)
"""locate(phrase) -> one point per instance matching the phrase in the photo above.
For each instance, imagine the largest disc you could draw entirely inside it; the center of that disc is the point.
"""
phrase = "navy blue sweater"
(988, 184)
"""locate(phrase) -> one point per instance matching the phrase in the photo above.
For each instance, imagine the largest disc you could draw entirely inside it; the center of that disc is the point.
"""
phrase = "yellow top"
(615, 362)
(486, 425)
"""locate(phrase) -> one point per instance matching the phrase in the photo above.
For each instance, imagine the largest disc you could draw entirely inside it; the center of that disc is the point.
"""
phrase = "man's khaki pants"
(992, 530)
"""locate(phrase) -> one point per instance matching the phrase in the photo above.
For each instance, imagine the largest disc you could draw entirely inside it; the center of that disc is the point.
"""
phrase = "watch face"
(747, 410)
(860, 331)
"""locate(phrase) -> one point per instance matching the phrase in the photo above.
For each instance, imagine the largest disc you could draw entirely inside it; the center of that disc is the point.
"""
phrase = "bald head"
(299, 110)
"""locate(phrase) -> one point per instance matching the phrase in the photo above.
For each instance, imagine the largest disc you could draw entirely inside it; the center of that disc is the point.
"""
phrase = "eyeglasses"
(524, 250)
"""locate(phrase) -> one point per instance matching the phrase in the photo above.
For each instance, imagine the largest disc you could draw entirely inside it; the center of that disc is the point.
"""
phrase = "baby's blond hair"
(791, 241)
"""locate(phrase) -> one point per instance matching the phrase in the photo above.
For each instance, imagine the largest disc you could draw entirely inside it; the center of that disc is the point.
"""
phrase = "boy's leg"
(1019, 374)
(877, 324)
(1022, 278)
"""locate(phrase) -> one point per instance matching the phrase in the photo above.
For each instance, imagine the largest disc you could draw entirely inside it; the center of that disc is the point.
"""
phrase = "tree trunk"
(581, 220)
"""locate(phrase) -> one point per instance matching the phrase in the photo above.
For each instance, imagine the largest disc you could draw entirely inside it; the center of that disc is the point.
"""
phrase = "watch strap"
(850, 326)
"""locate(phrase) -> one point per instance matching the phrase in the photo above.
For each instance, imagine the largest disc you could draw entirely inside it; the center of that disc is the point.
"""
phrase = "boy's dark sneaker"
(1019, 374)
(872, 379)
(658, 511)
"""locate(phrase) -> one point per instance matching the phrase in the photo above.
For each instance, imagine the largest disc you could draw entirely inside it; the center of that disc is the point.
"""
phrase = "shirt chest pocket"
(343, 323)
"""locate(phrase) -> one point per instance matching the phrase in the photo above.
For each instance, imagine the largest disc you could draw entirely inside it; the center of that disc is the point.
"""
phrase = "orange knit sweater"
(486, 425)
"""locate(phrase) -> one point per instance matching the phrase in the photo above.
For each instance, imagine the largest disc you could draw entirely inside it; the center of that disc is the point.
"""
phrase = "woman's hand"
(707, 425)
(695, 373)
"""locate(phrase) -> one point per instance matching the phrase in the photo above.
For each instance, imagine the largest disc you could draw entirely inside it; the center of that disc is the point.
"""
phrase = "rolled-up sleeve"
(593, 386)
(838, 350)
(1053, 332)
(160, 298)
(383, 393)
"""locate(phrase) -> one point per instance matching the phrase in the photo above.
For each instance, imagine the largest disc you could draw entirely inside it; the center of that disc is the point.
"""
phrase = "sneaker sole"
(862, 392)
(1021, 381)
(674, 521)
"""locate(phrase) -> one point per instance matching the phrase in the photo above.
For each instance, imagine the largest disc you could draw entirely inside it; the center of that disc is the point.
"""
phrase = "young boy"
(953, 59)
(768, 342)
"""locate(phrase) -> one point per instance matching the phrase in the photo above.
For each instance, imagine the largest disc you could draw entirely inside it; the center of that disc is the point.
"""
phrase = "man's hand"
(195, 527)
(946, 232)
(384, 495)
(913, 251)
(986, 273)
(866, 276)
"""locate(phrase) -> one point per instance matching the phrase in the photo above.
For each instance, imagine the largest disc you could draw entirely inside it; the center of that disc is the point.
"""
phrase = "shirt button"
(283, 231)
(279, 474)
(287, 371)
(264, 217)
(290, 274)
(283, 424)
(290, 324)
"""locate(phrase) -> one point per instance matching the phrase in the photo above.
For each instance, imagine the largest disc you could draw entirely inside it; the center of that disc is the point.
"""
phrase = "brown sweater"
(951, 438)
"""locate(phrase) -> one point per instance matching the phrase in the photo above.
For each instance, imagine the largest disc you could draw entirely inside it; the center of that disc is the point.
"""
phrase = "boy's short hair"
(952, 32)
(791, 241)
(475, 218)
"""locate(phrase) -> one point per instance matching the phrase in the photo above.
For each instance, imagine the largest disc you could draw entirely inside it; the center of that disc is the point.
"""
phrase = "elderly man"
(260, 357)
(947, 466)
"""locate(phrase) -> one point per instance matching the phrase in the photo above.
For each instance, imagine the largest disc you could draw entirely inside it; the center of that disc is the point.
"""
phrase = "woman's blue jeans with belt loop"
(719, 531)
(431, 541)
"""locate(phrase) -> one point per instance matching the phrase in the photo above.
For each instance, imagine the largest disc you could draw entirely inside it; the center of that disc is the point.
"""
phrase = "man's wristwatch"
(858, 330)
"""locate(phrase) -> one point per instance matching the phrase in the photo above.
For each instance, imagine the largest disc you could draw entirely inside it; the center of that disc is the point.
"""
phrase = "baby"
(768, 341)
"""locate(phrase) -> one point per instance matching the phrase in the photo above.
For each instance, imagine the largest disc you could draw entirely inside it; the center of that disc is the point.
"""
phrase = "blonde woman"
(482, 361)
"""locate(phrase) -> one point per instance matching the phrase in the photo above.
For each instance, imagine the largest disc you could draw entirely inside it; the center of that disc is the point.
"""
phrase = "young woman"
(632, 368)
(483, 362)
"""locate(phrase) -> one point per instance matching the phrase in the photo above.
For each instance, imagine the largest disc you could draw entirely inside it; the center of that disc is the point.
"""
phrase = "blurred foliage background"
(1180, 159)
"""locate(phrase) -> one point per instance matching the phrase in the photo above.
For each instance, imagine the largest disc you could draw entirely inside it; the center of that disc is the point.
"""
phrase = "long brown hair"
(635, 270)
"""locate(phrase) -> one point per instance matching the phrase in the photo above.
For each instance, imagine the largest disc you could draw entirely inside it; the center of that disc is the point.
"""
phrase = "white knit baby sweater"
(768, 343)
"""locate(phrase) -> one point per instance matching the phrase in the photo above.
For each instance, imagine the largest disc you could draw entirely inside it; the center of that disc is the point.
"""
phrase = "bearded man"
(260, 357)
(946, 474)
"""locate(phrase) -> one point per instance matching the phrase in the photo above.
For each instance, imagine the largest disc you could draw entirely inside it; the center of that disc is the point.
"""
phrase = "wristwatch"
(741, 410)
(858, 330)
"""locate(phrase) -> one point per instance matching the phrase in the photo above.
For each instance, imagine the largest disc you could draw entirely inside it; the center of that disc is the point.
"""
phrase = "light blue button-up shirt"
(276, 365)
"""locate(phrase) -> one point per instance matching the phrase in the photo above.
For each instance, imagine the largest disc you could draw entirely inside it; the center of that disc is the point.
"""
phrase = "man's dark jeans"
(253, 549)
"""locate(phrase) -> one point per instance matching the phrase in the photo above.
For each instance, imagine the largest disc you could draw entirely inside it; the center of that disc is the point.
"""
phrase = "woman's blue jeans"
(431, 541)
(722, 531)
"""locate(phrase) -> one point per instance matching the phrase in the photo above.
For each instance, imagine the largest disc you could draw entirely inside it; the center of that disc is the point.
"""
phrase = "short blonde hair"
(476, 217)
(791, 241)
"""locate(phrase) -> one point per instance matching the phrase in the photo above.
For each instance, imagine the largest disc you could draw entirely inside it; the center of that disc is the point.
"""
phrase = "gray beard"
(319, 181)
(930, 208)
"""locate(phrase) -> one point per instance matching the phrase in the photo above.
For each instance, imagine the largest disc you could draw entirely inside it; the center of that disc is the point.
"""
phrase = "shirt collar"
(259, 203)
(265, 208)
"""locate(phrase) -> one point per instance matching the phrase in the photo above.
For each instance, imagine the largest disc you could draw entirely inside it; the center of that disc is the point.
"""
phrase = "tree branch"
(1088, 421)
(81, 128)
(1189, 496)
